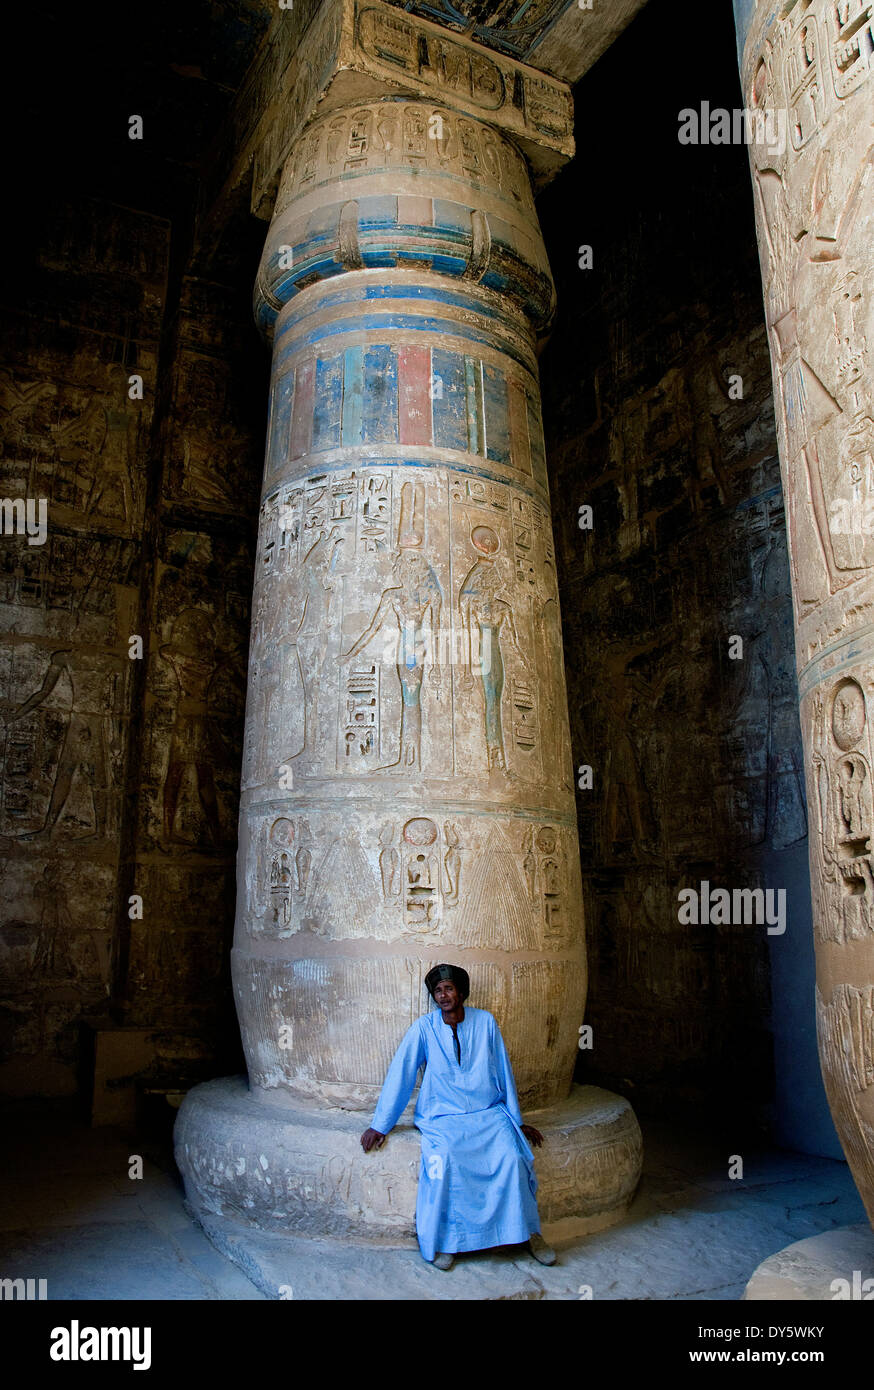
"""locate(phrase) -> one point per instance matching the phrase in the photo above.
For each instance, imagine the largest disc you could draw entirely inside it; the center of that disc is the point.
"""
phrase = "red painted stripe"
(414, 397)
(302, 417)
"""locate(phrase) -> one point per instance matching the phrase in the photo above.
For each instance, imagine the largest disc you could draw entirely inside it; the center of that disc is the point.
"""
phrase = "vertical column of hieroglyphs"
(814, 192)
(407, 786)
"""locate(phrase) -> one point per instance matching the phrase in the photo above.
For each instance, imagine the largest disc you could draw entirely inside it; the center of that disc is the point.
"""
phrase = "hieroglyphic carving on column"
(843, 811)
(384, 704)
(814, 208)
(407, 779)
(354, 50)
(813, 204)
(397, 182)
(845, 1030)
(408, 790)
(385, 689)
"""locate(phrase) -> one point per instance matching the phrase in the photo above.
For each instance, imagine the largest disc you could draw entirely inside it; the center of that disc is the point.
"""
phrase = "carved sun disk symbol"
(420, 831)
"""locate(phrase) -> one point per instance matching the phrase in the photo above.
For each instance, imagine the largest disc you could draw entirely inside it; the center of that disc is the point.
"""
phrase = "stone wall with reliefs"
(90, 316)
(119, 777)
(146, 536)
(697, 760)
(197, 618)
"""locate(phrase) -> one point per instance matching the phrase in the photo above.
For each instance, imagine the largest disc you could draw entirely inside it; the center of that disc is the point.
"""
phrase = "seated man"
(476, 1179)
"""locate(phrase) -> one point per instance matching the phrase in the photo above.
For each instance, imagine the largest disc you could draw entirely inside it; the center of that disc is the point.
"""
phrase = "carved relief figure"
(389, 863)
(628, 818)
(301, 652)
(52, 957)
(281, 839)
(90, 740)
(191, 655)
(777, 806)
(851, 513)
(303, 859)
(88, 442)
(851, 778)
(451, 864)
(838, 495)
(807, 402)
(415, 596)
(486, 616)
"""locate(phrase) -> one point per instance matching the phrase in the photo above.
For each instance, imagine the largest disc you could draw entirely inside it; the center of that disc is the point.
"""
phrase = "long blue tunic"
(476, 1180)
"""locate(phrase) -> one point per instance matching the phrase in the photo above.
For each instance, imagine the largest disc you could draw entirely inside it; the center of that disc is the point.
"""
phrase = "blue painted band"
(407, 323)
(436, 294)
(317, 256)
(837, 659)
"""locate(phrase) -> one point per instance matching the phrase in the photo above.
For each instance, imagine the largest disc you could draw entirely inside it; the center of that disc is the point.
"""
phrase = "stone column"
(809, 68)
(408, 790)
(407, 779)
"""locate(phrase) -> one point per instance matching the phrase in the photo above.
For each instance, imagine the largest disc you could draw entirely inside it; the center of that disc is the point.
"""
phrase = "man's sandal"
(543, 1253)
(443, 1261)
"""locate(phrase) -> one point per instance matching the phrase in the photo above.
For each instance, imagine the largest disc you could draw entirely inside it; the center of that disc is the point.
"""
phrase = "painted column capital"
(406, 184)
(360, 50)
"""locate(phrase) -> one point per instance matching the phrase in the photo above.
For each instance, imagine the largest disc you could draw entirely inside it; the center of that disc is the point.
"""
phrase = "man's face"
(446, 996)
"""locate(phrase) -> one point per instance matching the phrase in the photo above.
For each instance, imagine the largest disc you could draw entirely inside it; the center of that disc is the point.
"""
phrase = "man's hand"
(372, 1139)
(531, 1134)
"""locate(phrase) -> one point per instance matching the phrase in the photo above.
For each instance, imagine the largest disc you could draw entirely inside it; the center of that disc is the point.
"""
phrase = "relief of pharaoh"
(414, 595)
(486, 617)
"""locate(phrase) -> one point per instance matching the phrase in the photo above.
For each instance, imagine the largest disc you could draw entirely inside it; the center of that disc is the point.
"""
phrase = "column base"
(808, 1270)
(302, 1170)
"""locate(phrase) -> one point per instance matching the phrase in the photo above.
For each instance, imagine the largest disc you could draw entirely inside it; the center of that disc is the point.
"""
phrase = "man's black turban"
(459, 978)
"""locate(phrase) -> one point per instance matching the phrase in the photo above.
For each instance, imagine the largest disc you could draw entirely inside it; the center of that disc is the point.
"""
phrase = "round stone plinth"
(835, 1266)
(293, 1169)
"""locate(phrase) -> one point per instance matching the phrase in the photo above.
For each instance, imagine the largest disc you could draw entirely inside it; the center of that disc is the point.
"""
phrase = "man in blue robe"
(476, 1179)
